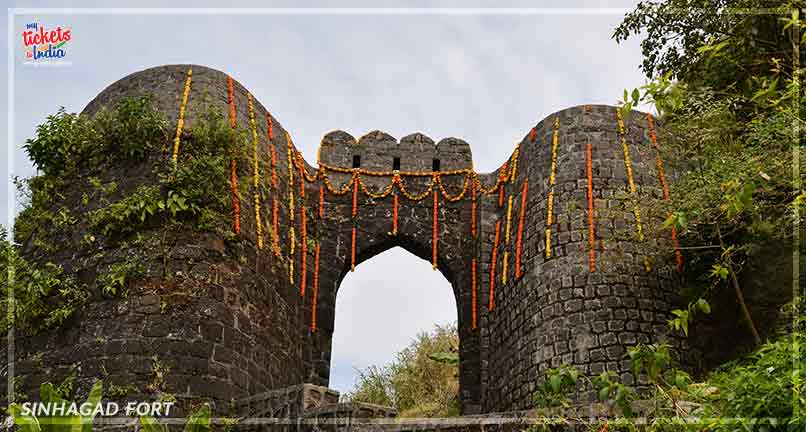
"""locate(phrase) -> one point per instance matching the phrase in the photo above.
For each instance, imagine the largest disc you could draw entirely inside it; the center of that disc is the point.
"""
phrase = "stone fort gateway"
(545, 256)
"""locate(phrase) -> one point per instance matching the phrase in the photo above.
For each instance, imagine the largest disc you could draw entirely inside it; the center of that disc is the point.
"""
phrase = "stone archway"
(373, 224)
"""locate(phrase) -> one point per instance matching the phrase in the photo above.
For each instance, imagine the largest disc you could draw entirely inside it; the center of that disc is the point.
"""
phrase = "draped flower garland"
(631, 183)
(255, 172)
(236, 204)
(180, 123)
(552, 180)
(678, 255)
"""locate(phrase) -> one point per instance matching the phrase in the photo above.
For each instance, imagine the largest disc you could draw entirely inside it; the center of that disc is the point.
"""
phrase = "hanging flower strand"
(291, 235)
(394, 215)
(493, 260)
(435, 235)
(180, 123)
(236, 204)
(591, 223)
(678, 255)
(631, 183)
(270, 135)
(552, 180)
(505, 268)
(518, 244)
(315, 287)
(255, 172)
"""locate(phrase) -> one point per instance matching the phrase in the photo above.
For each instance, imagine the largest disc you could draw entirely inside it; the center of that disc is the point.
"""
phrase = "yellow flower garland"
(181, 122)
(255, 172)
(631, 182)
(552, 180)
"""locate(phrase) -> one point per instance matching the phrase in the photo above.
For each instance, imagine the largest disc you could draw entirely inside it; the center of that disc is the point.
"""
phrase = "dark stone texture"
(248, 332)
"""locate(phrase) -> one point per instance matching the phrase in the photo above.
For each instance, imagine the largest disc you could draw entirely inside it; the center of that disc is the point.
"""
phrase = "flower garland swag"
(274, 183)
(255, 172)
(394, 215)
(236, 203)
(291, 234)
(631, 183)
(591, 223)
(552, 180)
(493, 261)
(180, 123)
(519, 242)
(678, 255)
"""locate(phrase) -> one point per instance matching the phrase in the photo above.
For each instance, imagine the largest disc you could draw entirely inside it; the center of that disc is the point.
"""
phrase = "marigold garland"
(255, 172)
(434, 239)
(394, 216)
(591, 225)
(180, 123)
(473, 210)
(518, 243)
(473, 289)
(303, 275)
(493, 261)
(532, 135)
(504, 268)
(321, 202)
(678, 255)
(355, 195)
(352, 253)
(236, 204)
(514, 163)
(276, 237)
(631, 182)
(291, 235)
(315, 287)
(552, 180)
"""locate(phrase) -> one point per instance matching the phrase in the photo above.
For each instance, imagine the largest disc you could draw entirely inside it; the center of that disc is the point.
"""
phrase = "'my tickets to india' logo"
(42, 43)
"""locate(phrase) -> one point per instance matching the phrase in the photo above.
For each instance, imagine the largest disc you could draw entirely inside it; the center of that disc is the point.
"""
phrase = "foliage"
(49, 394)
(199, 421)
(553, 392)
(67, 141)
(421, 382)
(38, 297)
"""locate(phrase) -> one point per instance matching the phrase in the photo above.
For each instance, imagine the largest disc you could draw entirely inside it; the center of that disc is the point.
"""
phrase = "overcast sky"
(485, 77)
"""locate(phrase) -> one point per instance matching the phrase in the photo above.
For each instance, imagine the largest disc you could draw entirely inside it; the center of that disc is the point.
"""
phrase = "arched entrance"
(381, 308)
(357, 227)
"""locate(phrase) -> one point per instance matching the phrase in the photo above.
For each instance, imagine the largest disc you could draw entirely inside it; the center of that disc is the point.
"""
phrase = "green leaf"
(604, 393)
(554, 382)
(703, 306)
(25, 423)
(636, 95)
(200, 420)
(149, 424)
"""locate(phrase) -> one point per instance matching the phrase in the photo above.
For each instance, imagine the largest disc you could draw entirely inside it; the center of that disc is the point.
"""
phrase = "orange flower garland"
(321, 202)
(591, 225)
(532, 135)
(352, 253)
(492, 265)
(180, 123)
(678, 255)
(355, 195)
(236, 204)
(394, 216)
(552, 180)
(473, 289)
(303, 251)
(315, 287)
(631, 182)
(473, 210)
(518, 245)
(434, 239)
(255, 172)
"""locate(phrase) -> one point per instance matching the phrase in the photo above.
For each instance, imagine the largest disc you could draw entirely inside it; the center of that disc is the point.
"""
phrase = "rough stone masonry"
(252, 332)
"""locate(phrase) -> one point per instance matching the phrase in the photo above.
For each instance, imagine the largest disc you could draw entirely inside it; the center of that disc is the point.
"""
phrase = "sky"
(482, 75)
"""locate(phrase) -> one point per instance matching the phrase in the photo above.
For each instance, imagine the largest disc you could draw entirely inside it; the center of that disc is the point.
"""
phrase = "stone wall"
(248, 327)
